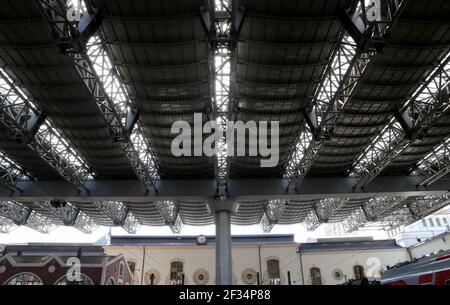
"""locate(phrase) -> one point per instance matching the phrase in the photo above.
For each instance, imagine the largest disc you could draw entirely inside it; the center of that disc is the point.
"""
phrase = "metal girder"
(10, 173)
(131, 224)
(328, 207)
(222, 66)
(426, 205)
(169, 211)
(40, 223)
(239, 189)
(27, 125)
(21, 215)
(378, 206)
(311, 221)
(323, 210)
(335, 90)
(119, 214)
(397, 218)
(69, 214)
(93, 62)
(338, 82)
(369, 23)
(266, 224)
(17, 113)
(371, 211)
(428, 103)
(418, 209)
(15, 212)
(6, 225)
(356, 219)
(435, 165)
(222, 47)
(273, 211)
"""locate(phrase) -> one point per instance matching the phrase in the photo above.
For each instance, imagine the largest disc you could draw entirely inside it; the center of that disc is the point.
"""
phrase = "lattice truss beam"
(272, 213)
(119, 214)
(6, 225)
(219, 30)
(392, 212)
(363, 38)
(428, 103)
(28, 125)
(434, 165)
(323, 212)
(93, 62)
(11, 173)
(169, 211)
(21, 215)
(54, 212)
(68, 214)
(339, 80)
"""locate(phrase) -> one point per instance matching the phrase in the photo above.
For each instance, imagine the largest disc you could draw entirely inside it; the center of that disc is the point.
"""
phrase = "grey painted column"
(224, 268)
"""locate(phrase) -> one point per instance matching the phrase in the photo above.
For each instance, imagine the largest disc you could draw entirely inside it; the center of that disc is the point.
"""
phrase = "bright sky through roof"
(71, 235)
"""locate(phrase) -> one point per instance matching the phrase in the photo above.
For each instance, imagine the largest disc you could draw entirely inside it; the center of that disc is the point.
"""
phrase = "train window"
(431, 222)
(438, 221)
(424, 222)
(447, 282)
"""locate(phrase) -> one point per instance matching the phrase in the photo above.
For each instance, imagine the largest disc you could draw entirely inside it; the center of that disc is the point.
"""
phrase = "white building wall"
(422, 230)
(431, 246)
(203, 257)
(374, 263)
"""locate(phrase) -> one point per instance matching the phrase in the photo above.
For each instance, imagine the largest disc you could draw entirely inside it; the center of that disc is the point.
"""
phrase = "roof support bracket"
(34, 123)
(355, 26)
(238, 18)
(406, 122)
(132, 119)
(313, 124)
(207, 21)
(369, 23)
(88, 26)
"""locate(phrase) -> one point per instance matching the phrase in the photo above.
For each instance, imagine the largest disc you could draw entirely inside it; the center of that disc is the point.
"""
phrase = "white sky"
(23, 235)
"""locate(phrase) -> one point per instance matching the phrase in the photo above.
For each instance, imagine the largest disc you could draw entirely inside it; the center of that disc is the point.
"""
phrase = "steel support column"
(223, 247)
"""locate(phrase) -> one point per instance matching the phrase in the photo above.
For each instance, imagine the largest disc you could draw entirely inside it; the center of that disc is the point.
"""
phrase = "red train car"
(431, 270)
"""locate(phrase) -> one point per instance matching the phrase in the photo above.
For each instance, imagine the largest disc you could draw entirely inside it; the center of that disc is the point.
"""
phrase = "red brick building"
(62, 265)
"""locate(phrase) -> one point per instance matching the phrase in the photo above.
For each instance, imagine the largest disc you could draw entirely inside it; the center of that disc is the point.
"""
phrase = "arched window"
(84, 280)
(273, 270)
(358, 270)
(176, 273)
(110, 282)
(25, 278)
(316, 277)
(132, 266)
(121, 270)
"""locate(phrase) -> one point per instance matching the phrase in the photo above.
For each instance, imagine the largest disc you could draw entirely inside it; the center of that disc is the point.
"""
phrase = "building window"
(132, 266)
(121, 270)
(110, 282)
(25, 279)
(176, 273)
(273, 270)
(316, 278)
(431, 222)
(424, 222)
(438, 222)
(358, 270)
(84, 280)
